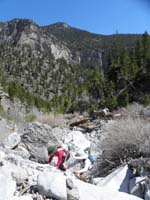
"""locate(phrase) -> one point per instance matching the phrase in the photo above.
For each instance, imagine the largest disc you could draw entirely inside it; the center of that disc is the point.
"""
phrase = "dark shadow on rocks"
(124, 187)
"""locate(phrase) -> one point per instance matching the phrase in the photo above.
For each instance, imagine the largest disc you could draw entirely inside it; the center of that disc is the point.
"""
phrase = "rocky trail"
(25, 174)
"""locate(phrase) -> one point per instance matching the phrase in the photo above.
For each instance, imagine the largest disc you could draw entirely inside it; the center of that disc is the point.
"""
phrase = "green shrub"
(112, 103)
(146, 100)
(123, 99)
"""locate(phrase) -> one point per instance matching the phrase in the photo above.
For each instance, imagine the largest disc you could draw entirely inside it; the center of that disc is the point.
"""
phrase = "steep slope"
(51, 66)
(88, 47)
(29, 55)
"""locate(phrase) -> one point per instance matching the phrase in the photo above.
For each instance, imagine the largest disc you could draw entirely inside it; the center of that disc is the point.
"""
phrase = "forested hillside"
(64, 69)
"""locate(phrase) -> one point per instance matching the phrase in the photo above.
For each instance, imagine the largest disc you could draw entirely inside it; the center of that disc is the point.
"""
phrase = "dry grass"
(127, 138)
(135, 109)
(53, 120)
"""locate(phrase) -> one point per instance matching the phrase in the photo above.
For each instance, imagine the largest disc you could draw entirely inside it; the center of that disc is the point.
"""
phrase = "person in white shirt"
(86, 164)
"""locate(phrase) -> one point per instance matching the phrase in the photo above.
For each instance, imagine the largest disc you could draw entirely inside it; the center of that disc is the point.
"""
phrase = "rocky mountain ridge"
(54, 63)
(60, 40)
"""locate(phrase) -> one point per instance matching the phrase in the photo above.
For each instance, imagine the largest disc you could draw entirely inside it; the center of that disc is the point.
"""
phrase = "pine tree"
(111, 98)
(133, 69)
(113, 67)
(146, 53)
(123, 99)
(142, 81)
(139, 54)
(96, 85)
(125, 65)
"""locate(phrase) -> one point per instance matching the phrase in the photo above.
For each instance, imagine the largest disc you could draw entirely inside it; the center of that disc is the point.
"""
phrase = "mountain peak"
(23, 22)
(61, 25)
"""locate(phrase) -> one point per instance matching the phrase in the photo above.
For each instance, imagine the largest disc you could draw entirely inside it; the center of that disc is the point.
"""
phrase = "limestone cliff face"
(20, 33)
(81, 44)
(23, 32)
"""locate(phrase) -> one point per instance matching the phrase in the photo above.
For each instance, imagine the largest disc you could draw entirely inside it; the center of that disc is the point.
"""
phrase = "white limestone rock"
(52, 185)
(7, 184)
(25, 197)
(117, 180)
(77, 140)
(92, 192)
(12, 140)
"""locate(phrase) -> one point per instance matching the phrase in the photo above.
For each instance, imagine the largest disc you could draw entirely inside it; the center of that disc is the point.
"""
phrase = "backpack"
(90, 157)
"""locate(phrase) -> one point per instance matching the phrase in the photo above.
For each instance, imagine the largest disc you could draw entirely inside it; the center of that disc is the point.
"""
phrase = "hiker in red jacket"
(62, 156)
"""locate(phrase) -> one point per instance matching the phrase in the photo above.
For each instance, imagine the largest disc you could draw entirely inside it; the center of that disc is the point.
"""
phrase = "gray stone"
(77, 140)
(72, 194)
(7, 184)
(36, 137)
(117, 180)
(52, 185)
(69, 183)
(92, 192)
(146, 112)
(25, 197)
(147, 189)
(136, 186)
(12, 140)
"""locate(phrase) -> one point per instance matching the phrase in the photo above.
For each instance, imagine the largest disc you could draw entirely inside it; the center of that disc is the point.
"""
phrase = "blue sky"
(97, 16)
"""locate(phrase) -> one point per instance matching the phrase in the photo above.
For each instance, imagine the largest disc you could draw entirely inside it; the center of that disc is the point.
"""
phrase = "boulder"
(117, 180)
(2, 156)
(36, 137)
(25, 197)
(60, 133)
(7, 184)
(69, 183)
(92, 192)
(77, 140)
(12, 140)
(140, 186)
(17, 152)
(146, 112)
(97, 180)
(72, 194)
(141, 166)
(20, 174)
(147, 191)
(23, 152)
(53, 185)
(136, 186)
